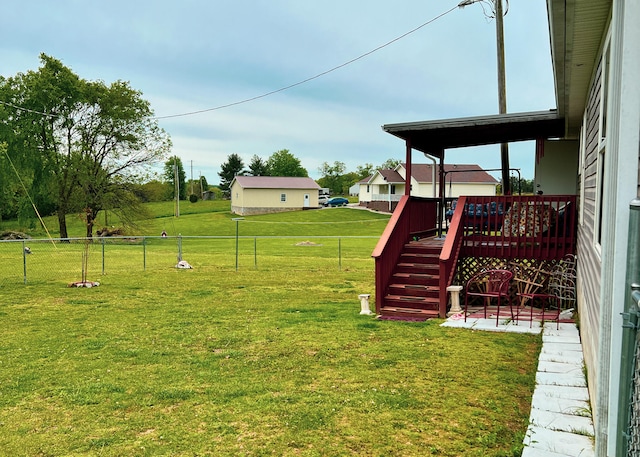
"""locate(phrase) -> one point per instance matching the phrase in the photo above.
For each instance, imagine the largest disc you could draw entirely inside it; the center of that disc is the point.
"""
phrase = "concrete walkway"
(560, 422)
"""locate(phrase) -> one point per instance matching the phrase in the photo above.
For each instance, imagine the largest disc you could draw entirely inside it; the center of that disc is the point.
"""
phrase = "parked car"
(336, 201)
(322, 199)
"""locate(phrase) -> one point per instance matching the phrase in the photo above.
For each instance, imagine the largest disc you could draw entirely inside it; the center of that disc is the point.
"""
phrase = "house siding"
(588, 251)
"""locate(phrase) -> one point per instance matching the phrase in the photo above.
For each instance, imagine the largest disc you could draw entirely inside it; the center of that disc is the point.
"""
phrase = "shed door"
(306, 200)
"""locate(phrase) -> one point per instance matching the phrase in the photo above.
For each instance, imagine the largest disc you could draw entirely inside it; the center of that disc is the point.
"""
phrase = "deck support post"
(455, 300)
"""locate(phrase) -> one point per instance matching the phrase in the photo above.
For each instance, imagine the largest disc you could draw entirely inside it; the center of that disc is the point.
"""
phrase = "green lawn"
(273, 360)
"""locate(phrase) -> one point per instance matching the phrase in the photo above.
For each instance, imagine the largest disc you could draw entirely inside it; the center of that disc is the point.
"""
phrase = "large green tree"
(283, 163)
(233, 167)
(258, 167)
(81, 142)
(175, 177)
(332, 176)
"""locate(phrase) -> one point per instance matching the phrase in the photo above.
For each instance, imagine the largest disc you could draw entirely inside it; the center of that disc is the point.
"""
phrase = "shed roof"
(275, 182)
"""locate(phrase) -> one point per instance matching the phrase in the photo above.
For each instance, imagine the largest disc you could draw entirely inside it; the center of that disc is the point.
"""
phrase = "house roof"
(433, 137)
(390, 175)
(455, 173)
(275, 182)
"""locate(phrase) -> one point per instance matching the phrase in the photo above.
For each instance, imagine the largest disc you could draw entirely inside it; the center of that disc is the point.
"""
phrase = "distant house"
(272, 194)
(383, 189)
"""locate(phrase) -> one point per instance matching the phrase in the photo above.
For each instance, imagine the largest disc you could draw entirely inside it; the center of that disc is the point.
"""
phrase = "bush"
(193, 198)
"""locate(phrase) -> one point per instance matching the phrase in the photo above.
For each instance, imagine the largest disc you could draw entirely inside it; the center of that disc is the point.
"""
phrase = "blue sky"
(196, 55)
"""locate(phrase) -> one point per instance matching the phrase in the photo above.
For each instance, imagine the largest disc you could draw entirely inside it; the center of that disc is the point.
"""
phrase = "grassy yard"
(267, 361)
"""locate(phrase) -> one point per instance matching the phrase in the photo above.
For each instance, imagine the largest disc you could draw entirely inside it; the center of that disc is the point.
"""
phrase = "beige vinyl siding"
(271, 198)
(589, 260)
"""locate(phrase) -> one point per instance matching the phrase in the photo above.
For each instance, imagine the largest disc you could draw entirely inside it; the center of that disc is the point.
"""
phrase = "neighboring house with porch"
(383, 189)
(272, 194)
(587, 163)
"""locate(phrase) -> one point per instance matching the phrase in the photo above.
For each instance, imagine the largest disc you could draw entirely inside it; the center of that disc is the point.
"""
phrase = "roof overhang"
(433, 137)
(575, 30)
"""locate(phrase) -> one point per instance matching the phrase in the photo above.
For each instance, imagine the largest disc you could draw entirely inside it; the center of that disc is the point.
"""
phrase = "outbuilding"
(272, 194)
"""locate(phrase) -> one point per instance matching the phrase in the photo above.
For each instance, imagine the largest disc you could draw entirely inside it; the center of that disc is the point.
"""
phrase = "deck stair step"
(420, 257)
(416, 278)
(409, 314)
(414, 289)
(418, 268)
(414, 302)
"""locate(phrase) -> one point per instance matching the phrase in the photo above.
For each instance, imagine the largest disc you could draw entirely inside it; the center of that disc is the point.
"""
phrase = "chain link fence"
(71, 260)
(633, 433)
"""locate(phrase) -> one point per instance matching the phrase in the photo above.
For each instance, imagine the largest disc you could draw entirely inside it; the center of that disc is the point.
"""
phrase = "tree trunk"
(62, 222)
(90, 222)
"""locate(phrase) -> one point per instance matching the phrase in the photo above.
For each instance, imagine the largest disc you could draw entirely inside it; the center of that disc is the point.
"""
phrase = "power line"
(290, 86)
(304, 81)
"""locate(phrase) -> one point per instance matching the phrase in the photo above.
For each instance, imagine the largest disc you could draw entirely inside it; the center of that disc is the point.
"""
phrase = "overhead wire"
(290, 86)
(311, 78)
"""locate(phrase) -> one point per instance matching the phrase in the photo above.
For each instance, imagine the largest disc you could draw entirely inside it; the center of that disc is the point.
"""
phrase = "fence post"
(629, 332)
(179, 247)
(102, 242)
(24, 262)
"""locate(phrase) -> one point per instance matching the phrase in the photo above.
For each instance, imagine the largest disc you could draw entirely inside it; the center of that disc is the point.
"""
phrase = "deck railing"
(508, 227)
(541, 227)
(412, 217)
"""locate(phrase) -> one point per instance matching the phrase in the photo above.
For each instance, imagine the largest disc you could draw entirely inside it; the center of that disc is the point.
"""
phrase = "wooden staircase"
(413, 292)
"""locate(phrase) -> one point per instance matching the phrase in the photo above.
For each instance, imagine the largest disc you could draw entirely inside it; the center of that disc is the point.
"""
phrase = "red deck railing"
(412, 217)
(509, 227)
(541, 227)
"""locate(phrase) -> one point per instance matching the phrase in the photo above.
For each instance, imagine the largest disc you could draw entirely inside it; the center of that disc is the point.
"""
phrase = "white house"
(385, 187)
(270, 194)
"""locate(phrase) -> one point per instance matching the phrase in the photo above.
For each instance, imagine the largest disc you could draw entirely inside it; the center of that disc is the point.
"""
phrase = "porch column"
(441, 189)
(407, 179)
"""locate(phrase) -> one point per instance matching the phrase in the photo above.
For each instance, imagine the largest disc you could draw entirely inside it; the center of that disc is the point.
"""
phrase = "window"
(393, 189)
(283, 197)
(368, 188)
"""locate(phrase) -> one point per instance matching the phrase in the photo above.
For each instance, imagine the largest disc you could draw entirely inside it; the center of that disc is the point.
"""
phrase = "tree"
(283, 163)
(84, 142)
(229, 170)
(332, 176)
(173, 168)
(258, 167)
(390, 164)
(364, 171)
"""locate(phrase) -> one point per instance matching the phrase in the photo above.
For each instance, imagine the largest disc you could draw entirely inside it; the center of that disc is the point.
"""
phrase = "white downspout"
(433, 173)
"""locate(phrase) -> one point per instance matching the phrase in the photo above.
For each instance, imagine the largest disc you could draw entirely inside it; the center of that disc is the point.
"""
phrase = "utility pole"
(177, 188)
(502, 95)
(192, 177)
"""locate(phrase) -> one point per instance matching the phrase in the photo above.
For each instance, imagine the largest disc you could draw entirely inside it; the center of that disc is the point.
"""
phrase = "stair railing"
(412, 217)
(450, 253)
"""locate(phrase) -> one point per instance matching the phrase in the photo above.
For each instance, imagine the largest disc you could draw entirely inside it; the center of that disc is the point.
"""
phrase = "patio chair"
(489, 284)
(557, 291)
(496, 215)
(475, 216)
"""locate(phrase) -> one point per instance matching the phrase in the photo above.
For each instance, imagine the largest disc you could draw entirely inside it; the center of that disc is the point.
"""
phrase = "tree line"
(334, 176)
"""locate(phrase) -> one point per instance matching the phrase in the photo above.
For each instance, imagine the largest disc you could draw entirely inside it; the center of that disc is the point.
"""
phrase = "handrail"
(389, 247)
(450, 253)
(413, 216)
